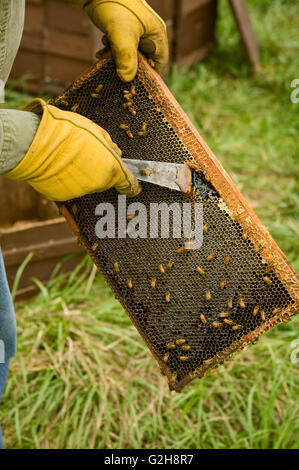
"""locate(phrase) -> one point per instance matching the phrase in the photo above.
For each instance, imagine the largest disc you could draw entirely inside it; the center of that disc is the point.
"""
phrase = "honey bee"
(230, 303)
(226, 260)
(237, 327)
(143, 127)
(241, 303)
(129, 134)
(286, 320)
(151, 63)
(74, 209)
(166, 356)
(205, 227)
(130, 283)
(216, 324)
(170, 346)
(263, 316)
(124, 126)
(98, 88)
(267, 280)
(224, 314)
(167, 296)
(132, 111)
(180, 250)
(127, 94)
(75, 107)
(185, 347)
(211, 256)
(223, 284)
(116, 267)
(131, 216)
(161, 268)
(174, 377)
(203, 318)
(180, 341)
(208, 295)
(133, 90)
(200, 270)
(95, 95)
(228, 321)
(64, 102)
(184, 358)
(244, 235)
(209, 361)
(145, 172)
(255, 310)
(170, 264)
(94, 246)
(128, 104)
(154, 281)
(275, 311)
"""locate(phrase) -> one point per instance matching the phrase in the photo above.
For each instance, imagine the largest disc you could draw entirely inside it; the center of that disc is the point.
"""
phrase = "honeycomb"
(193, 308)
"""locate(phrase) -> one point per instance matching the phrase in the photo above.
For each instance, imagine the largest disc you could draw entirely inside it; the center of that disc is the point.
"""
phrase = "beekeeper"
(48, 147)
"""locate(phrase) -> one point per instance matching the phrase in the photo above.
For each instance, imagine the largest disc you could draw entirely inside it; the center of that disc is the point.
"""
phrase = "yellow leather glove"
(71, 156)
(125, 22)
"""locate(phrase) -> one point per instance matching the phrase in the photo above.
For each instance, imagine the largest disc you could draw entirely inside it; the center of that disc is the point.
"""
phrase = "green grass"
(83, 377)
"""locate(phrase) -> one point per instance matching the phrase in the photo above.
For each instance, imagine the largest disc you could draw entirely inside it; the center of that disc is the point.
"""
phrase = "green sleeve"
(17, 130)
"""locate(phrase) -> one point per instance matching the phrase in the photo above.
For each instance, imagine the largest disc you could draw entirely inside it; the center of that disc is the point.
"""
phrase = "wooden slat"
(248, 36)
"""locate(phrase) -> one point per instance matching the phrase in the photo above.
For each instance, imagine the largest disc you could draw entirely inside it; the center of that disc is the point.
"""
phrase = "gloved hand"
(124, 22)
(71, 156)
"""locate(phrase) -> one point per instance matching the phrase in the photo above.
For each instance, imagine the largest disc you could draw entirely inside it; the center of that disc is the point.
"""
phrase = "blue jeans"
(7, 329)
(3, 376)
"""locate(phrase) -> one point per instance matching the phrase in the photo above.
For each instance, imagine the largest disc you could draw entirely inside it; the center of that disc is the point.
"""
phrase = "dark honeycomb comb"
(195, 308)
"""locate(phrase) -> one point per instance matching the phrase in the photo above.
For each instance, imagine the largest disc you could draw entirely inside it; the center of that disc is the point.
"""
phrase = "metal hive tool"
(193, 308)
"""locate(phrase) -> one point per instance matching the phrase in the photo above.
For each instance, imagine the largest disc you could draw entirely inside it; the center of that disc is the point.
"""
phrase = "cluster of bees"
(184, 347)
